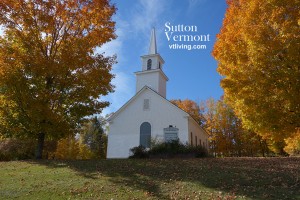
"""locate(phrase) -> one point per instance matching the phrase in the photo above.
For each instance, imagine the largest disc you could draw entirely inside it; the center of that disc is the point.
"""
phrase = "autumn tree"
(71, 148)
(258, 55)
(67, 148)
(228, 137)
(191, 107)
(293, 144)
(50, 76)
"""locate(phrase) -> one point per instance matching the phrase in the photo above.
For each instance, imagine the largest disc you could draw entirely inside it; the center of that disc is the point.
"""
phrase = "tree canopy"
(191, 107)
(227, 135)
(258, 54)
(50, 76)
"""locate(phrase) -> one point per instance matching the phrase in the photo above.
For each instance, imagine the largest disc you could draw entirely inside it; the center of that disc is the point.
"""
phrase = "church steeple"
(152, 74)
(153, 60)
(152, 47)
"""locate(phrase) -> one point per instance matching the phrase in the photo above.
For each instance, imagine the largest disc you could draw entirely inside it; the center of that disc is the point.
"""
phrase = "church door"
(145, 134)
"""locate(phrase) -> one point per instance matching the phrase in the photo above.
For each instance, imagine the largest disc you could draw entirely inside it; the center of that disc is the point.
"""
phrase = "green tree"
(50, 76)
(93, 136)
(258, 55)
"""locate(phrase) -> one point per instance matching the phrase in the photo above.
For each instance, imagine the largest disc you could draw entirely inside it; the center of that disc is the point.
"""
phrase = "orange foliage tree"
(191, 107)
(227, 135)
(50, 75)
(258, 55)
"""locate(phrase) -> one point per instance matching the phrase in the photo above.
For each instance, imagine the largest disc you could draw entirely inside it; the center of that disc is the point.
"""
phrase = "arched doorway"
(145, 134)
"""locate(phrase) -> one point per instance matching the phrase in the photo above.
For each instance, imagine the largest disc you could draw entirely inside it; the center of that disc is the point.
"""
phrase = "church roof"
(153, 70)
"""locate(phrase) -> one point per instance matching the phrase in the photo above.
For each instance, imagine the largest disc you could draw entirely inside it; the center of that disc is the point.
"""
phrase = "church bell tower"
(152, 74)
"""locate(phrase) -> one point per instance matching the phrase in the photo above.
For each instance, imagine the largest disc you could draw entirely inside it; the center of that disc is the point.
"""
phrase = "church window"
(149, 64)
(145, 134)
(159, 65)
(192, 138)
(146, 104)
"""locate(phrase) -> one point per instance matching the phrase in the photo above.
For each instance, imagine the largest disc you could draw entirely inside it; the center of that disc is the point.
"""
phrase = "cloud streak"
(122, 79)
(147, 14)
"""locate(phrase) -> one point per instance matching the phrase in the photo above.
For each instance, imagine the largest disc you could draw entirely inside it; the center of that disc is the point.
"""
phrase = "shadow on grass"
(257, 178)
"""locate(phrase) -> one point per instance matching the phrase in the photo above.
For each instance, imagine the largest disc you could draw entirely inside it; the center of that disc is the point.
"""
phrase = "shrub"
(170, 149)
(139, 152)
(167, 148)
(197, 151)
(16, 149)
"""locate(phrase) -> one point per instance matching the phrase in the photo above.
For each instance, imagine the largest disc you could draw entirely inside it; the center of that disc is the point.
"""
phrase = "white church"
(149, 115)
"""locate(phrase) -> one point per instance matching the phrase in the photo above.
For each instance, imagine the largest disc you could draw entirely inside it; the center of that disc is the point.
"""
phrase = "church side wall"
(125, 127)
(118, 142)
(197, 132)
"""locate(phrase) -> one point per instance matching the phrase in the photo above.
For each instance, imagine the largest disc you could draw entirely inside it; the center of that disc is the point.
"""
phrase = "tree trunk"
(40, 146)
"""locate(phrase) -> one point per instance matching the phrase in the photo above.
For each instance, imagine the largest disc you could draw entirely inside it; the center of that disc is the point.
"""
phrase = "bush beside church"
(171, 149)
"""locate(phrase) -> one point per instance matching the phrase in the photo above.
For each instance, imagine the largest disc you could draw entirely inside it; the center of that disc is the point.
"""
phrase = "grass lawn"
(228, 178)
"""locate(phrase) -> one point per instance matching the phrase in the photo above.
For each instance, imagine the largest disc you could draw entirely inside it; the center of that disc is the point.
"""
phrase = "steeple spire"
(153, 48)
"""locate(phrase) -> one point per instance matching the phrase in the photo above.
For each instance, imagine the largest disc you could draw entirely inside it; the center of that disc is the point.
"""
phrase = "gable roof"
(127, 103)
(150, 89)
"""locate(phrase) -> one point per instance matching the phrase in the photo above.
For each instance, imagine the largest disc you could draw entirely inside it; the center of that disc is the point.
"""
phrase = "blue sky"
(192, 74)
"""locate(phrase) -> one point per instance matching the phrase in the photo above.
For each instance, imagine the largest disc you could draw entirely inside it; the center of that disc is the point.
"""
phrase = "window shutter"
(146, 104)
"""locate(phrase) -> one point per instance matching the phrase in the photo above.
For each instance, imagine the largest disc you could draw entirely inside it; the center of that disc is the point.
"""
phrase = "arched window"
(145, 134)
(149, 64)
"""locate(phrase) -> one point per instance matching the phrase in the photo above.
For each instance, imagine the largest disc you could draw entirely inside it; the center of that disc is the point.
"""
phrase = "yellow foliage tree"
(50, 76)
(228, 137)
(258, 55)
(293, 144)
(69, 148)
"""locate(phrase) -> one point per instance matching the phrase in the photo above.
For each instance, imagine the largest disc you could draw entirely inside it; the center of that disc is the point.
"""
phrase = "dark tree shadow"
(257, 178)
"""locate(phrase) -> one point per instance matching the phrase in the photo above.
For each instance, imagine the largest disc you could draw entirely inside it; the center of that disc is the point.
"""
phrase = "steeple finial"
(152, 48)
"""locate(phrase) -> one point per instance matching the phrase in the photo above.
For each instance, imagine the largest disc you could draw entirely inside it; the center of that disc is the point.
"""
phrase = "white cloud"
(122, 79)
(147, 14)
(114, 47)
(123, 92)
